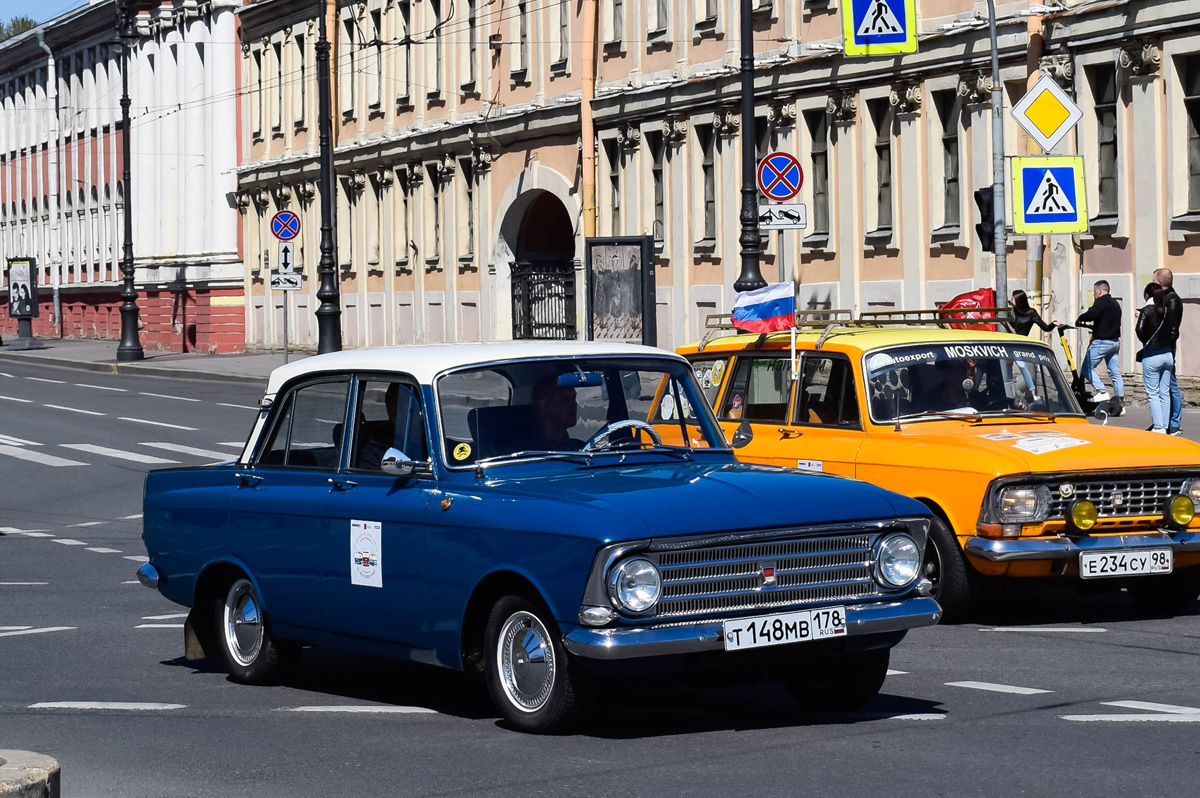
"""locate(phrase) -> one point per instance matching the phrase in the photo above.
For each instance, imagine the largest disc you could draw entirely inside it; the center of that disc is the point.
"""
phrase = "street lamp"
(750, 278)
(130, 347)
(329, 313)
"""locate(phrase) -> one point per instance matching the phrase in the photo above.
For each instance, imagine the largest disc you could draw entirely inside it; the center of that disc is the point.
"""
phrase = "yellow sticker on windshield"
(462, 451)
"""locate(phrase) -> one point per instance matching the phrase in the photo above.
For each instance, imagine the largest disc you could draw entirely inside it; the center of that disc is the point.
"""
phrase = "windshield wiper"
(1040, 414)
(973, 417)
(530, 456)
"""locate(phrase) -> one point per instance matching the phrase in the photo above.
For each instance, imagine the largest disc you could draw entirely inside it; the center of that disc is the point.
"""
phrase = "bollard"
(24, 774)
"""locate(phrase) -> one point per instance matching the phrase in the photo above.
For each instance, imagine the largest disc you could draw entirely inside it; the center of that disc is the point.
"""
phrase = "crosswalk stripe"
(119, 454)
(159, 424)
(75, 410)
(192, 450)
(38, 457)
(14, 441)
(15, 399)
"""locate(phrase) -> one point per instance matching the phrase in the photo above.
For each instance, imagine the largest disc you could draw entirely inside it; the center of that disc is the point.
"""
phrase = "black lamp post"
(750, 278)
(130, 347)
(329, 313)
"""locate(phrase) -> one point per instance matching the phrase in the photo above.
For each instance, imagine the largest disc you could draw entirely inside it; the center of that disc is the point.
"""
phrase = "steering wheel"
(600, 439)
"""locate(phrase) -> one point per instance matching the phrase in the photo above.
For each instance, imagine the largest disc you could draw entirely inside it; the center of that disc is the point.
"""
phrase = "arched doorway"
(543, 274)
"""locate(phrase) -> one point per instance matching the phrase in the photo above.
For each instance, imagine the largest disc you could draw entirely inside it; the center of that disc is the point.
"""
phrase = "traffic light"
(986, 229)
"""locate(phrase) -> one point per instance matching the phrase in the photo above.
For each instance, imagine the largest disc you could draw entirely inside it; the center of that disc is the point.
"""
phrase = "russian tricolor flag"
(765, 310)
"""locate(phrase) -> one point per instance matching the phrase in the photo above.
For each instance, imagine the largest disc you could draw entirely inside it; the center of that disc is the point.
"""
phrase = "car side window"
(708, 374)
(759, 391)
(389, 417)
(308, 431)
(827, 396)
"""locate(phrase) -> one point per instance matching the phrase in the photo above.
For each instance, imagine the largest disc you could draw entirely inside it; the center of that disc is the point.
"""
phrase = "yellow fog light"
(1084, 515)
(1181, 511)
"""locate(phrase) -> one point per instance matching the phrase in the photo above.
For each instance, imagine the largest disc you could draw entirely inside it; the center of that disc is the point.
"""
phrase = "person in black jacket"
(1174, 318)
(1158, 363)
(1026, 316)
(1104, 317)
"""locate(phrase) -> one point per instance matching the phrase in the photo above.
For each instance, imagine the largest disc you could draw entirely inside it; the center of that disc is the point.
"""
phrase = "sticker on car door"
(366, 552)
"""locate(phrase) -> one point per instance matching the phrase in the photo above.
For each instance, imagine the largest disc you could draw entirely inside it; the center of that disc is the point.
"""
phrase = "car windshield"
(562, 405)
(975, 379)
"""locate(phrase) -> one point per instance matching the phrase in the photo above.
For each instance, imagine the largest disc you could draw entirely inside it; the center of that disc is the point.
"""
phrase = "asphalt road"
(1048, 693)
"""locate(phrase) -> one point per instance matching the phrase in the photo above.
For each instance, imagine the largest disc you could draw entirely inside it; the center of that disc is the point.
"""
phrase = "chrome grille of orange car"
(732, 577)
(1117, 498)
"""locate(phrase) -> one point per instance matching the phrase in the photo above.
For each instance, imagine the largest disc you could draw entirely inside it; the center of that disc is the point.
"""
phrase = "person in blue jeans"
(1174, 318)
(1104, 318)
(1158, 362)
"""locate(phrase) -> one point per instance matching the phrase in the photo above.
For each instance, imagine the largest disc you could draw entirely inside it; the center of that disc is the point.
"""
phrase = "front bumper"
(685, 638)
(1064, 548)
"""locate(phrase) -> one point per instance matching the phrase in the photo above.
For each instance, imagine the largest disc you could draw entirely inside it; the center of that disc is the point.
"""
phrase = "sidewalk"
(101, 356)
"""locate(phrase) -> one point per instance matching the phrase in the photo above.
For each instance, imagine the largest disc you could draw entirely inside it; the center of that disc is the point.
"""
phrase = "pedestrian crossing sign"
(879, 27)
(1049, 195)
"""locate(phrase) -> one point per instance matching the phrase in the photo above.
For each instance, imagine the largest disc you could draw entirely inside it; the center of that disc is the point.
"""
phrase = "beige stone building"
(460, 157)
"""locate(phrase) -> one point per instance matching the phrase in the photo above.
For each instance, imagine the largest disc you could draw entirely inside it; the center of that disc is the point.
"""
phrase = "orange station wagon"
(983, 428)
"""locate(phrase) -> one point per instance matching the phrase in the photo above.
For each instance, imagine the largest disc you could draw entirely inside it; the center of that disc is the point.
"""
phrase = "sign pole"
(750, 240)
(285, 328)
(999, 235)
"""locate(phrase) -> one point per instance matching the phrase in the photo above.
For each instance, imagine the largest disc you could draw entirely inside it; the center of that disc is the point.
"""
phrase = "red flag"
(969, 303)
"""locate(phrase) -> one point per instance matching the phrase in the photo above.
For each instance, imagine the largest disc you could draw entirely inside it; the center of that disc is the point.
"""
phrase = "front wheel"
(251, 652)
(841, 685)
(946, 568)
(529, 677)
(1167, 595)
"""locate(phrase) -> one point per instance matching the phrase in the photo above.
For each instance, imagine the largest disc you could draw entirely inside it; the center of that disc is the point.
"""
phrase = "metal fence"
(543, 299)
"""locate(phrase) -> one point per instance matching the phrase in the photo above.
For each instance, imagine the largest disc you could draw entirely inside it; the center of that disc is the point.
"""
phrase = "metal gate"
(543, 299)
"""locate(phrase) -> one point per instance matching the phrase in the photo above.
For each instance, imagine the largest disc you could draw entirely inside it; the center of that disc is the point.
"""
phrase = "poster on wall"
(21, 281)
(620, 283)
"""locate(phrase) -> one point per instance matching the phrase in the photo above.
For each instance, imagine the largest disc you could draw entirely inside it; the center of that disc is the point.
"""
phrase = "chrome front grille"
(1118, 498)
(729, 578)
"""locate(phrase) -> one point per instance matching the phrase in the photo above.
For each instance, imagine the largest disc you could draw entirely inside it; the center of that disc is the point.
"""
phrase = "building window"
(818, 133)
(436, 39)
(1103, 81)
(708, 179)
(661, 10)
(881, 116)
(1191, 105)
(948, 110)
(404, 79)
(301, 84)
(466, 215)
(256, 105)
(375, 95)
(277, 95)
(618, 22)
(658, 157)
(612, 151)
(350, 67)
(562, 47)
(435, 183)
(469, 75)
(709, 10)
(521, 62)
(375, 227)
(401, 229)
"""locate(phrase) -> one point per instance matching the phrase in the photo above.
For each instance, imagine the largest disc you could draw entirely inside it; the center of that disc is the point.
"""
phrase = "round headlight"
(636, 585)
(1084, 515)
(899, 560)
(1191, 489)
(1182, 511)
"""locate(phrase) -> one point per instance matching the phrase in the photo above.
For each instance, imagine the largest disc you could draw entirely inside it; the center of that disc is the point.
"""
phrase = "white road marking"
(133, 517)
(23, 584)
(43, 630)
(137, 558)
(998, 688)
(101, 550)
(9, 439)
(12, 530)
(896, 673)
(38, 535)
(75, 410)
(43, 379)
(38, 457)
(69, 542)
(192, 450)
(14, 628)
(118, 454)
(90, 523)
(99, 387)
(15, 399)
(159, 424)
(1149, 707)
(6, 374)
(237, 407)
(905, 716)
(159, 626)
(131, 582)
(115, 705)
(233, 444)
(1165, 713)
(167, 617)
(1069, 629)
(167, 396)
(364, 710)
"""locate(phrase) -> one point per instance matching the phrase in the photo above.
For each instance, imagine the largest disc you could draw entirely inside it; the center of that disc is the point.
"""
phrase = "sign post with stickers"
(879, 27)
(1049, 195)
(285, 226)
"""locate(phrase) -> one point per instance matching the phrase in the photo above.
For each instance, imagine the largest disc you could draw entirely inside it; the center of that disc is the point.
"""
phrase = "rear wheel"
(841, 685)
(947, 570)
(1167, 595)
(251, 651)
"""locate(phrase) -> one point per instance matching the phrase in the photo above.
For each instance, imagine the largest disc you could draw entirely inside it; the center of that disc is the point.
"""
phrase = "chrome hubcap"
(243, 623)
(525, 658)
(932, 567)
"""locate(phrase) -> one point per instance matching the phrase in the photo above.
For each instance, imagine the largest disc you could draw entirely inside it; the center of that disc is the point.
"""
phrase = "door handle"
(790, 433)
(248, 480)
(341, 484)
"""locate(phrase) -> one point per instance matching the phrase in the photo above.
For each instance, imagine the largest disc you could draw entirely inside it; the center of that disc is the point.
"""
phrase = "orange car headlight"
(1180, 511)
(1083, 515)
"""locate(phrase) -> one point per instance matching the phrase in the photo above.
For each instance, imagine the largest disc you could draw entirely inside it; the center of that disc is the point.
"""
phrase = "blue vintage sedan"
(543, 513)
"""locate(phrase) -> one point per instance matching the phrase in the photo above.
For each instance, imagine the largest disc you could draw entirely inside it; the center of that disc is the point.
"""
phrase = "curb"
(130, 368)
(24, 774)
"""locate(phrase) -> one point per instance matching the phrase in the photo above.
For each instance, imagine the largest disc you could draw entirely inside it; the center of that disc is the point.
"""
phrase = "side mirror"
(742, 435)
(397, 464)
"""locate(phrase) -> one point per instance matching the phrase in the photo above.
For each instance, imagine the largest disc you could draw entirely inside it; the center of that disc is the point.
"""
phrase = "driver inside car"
(555, 413)
(954, 387)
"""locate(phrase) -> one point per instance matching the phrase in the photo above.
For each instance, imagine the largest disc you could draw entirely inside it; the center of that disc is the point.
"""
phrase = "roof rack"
(805, 319)
(939, 317)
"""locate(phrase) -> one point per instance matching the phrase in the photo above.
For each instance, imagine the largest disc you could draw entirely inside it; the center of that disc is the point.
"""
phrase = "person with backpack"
(1158, 362)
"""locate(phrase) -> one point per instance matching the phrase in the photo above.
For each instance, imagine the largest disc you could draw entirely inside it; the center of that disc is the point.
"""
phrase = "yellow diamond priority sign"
(1046, 113)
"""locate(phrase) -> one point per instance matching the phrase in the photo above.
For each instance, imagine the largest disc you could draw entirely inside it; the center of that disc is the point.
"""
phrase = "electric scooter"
(1079, 385)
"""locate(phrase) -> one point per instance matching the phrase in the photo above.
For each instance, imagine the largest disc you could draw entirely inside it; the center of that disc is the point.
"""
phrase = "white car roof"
(427, 361)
